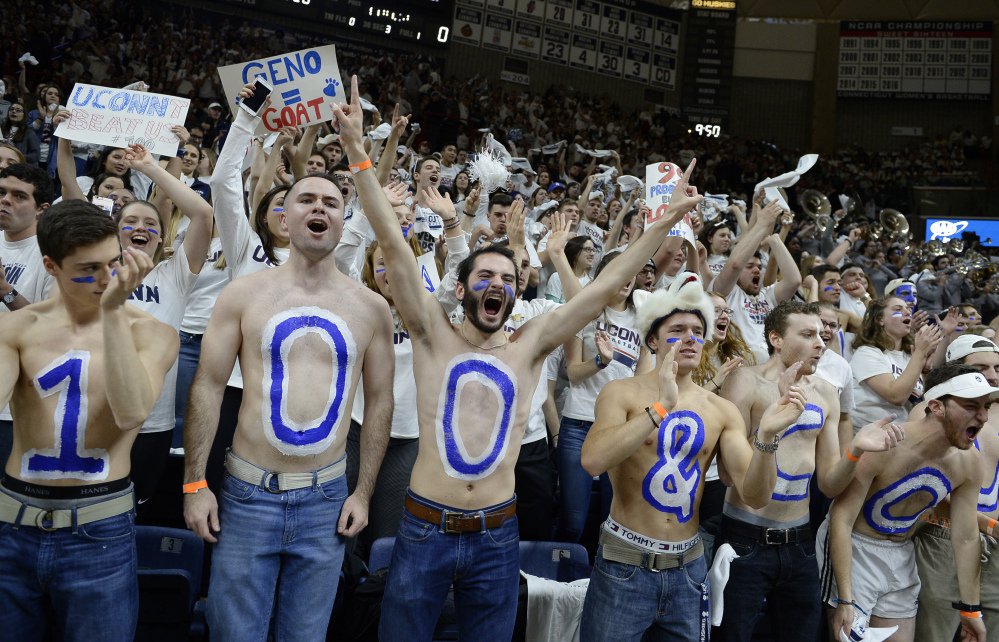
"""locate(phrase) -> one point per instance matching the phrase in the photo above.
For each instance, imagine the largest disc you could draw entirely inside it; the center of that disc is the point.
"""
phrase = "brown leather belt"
(460, 522)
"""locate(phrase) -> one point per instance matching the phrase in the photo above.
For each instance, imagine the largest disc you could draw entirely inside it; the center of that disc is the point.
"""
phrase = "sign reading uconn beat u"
(304, 82)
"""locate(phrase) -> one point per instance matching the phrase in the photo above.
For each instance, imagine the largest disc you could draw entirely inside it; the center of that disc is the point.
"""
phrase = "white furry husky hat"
(685, 294)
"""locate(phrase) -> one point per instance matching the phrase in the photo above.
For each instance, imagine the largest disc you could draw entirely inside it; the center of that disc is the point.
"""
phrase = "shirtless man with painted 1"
(305, 334)
(655, 433)
(81, 370)
(474, 386)
(865, 551)
(937, 619)
(775, 544)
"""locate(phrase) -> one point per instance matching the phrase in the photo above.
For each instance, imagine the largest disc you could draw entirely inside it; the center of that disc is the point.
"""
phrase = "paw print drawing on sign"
(332, 84)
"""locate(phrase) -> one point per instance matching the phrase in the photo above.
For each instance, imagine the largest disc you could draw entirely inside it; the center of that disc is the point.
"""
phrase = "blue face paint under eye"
(699, 340)
(278, 210)
(897, 314)
(672, 340)
(481, 285)
(508, 290)
(83, 279)
(379, 270)
(828, 288)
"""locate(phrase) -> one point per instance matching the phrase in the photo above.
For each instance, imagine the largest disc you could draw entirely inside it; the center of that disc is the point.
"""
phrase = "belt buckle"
(649, 562)
(266, 483)
(40, 521)
(782, 536)
(449, 528)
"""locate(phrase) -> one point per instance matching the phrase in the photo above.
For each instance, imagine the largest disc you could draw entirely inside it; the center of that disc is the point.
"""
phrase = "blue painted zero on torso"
(67, 459)
(988, 496)
(311, 436)
(794, 487)
(877, 509)
(671, 484)
(494, 376)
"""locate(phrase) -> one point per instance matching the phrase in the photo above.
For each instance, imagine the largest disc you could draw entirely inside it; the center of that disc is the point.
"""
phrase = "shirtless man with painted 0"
(655, 433)
(305, 334)
(775, 544)
(865, 550)
(81, 371)
(474, 386)
(937, 619)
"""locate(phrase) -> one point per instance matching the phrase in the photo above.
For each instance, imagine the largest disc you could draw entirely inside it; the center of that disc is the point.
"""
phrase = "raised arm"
(219, 350)
(417, 306)
(300, 153)
(135, 362)
(790, 276)
(66, 164)
(748, 244)
(387, 160)
(269, 172)
(198, 238)
(227, 187)
(560, 325)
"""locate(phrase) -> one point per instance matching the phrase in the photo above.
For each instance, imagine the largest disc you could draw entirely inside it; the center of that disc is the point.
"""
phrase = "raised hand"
(246, 92)
(880, 435)
(286, 136)
(685, 196)
(604, 346)
(560, 233)
(138, 158)
(919, 319)
(134, 266)
(397, 193)
(183, 136)
(438, 203)
(515, 225)
(950, 321)
(61, 115)
(927, 339)
(349, 117)
(769, 213)
(727, 368)
(472, 200)
(399, 123)
(782, 413)
(669, 393)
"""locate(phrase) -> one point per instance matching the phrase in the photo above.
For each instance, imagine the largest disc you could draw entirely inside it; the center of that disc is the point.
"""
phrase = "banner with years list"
(123, 117)
(305, 82)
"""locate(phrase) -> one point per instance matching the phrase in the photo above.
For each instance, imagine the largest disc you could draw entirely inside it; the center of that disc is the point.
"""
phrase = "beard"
(470, 305)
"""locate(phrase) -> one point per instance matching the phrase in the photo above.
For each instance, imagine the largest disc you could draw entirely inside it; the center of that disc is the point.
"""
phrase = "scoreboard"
(924, 60)
(626, 39)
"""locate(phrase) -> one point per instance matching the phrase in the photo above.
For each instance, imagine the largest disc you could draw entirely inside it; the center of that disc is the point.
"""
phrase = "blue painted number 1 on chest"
(67, 459)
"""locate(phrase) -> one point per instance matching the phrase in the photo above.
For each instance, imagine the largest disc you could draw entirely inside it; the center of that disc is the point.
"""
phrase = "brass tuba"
(895, 226)
(816, 205)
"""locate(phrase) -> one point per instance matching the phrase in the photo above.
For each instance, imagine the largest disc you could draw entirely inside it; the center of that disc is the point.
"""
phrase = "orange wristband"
(660, 410)
(850, 455)
(971, 615)
(360, 167)
(194, 487)
(991, 525)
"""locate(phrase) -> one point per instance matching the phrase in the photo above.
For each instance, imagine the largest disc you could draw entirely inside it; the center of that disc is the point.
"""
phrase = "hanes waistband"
(63, 492)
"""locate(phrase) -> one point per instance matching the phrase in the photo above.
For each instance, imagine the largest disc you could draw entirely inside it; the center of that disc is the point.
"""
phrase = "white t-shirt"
(208, 286)
(524, 311)
(24, 270)
(554, 290)
(627, 342)
(869, 362)
(716, 262)
(405, 424)
(836, 370)
(596, 234)
(448, 174)
(163, 294)
(749, 313)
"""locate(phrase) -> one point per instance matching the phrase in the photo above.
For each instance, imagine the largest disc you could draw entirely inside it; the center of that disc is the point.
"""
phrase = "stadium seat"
(554, 560)
(170, 562)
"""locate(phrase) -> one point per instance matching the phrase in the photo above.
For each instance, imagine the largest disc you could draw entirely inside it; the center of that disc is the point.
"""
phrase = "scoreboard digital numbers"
(627, 39)
(923, 60)
(427, 22)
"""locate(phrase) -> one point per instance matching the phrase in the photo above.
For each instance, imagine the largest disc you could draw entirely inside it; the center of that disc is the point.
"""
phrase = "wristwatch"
(597, 360)
(8, 299)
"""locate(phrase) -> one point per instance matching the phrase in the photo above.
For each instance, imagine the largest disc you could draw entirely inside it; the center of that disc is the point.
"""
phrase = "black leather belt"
(763, 534)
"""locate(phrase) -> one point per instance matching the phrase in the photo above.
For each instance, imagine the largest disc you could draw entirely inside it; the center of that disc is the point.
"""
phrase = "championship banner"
(123, 117)
(304, 82)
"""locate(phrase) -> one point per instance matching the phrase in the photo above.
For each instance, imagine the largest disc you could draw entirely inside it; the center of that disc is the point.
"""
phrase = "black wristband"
(961, 606)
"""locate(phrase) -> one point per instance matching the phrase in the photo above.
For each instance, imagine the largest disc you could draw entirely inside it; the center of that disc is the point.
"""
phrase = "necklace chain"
(461, 330)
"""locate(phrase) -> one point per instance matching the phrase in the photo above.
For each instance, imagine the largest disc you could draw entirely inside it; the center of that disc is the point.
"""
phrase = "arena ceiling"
(871, 9)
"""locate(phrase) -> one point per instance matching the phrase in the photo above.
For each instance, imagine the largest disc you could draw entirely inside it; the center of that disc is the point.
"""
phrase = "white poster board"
(429, 278)
(661, 180)
(123, 117)
(305, 83)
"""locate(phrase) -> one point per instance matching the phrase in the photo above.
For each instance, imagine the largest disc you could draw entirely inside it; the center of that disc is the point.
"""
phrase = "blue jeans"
(483, 566)
(187, 365)
(575, 484)
(785, 575)
(80, 582)
(277, 552)
(627, 603)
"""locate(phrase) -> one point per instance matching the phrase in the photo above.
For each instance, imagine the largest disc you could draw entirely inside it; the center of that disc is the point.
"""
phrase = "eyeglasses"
(832, 325)
(724, 312)
(591, 250)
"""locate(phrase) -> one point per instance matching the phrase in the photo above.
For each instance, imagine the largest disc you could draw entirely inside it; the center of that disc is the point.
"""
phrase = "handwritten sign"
(429, 277)
(661, 180)
(123, 117)
(304, 82)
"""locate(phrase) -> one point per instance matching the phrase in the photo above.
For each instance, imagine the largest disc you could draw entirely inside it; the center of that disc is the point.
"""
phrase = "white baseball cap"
(967, 344)
(967, 386)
